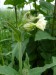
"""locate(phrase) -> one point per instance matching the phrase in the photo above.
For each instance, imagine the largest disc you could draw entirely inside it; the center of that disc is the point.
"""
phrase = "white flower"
(29, 26)
(41, 16)
(41, 24)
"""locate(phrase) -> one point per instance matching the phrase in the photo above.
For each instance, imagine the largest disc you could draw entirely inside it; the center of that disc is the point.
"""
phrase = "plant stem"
(16, 15)
(20, 58)
(54, 17)
(35, 8)
(53, 25)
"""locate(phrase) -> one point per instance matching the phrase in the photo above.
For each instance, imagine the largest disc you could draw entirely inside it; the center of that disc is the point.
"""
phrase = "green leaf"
(32, 0)
(14, 2)
(41, 35)
(6, 70)
(46, 6)
(39, 70)
(18, 52)
(21, 5)
(15, 52)
(16, 31)
(26, 62)
(48, 59)
(54, 68)
(24, 43)
(49, 0)
(4, 40)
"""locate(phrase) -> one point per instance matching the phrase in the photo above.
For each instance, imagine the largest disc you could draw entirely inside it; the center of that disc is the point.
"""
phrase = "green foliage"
(39, 70)
(25, 52)
(6, 70)
(14, 2)
(41, 35)
(49, 0)
(46, 6)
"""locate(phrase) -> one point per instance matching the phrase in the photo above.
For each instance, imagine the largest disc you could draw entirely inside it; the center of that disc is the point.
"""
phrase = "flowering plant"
(41, 24)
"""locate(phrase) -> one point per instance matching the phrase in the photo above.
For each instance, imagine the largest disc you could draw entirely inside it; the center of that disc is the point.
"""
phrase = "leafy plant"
(28, 44)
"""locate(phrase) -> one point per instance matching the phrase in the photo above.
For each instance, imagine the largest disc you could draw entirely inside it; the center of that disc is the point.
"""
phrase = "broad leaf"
(39, 70)
(46, 6)
(14, 2)
(6, 70)
(41, 35)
